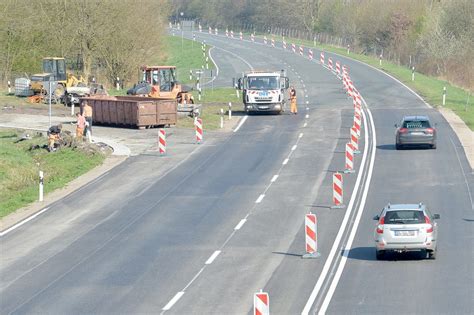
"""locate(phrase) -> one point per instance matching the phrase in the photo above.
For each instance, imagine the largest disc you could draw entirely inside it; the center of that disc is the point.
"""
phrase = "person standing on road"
(80, 126)
(87, 113)
(293, 108)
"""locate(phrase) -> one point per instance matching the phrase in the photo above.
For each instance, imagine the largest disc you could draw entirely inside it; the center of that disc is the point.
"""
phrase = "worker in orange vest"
(293, 108)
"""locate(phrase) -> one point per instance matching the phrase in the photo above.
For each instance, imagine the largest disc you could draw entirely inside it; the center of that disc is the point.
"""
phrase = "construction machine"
(161, 82)
(67, 87)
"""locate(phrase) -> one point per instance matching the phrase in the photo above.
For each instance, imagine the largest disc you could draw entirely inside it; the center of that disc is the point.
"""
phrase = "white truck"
(264, 91)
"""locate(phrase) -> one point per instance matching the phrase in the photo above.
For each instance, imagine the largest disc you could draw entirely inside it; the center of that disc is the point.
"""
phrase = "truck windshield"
(262, 83)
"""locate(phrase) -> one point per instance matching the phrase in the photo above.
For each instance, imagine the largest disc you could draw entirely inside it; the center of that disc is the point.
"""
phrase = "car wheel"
(379, 254)
(433, 146)
(398, 146)
(432, 254)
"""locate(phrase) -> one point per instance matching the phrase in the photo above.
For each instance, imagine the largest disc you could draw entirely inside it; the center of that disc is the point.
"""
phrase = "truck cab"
(264, 91)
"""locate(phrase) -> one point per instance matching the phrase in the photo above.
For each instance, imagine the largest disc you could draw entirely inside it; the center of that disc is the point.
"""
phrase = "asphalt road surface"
(227, 220)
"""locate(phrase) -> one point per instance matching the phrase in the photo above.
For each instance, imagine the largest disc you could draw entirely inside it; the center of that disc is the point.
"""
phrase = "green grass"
(185, 55)
(430, 88)
(19, 169)
(212, 101)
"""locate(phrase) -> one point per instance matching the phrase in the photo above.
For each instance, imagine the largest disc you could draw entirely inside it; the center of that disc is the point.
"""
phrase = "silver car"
(406, 227)
(415, 130)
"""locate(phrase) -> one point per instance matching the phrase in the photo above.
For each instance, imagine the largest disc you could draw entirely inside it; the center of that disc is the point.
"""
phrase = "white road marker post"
(222, 118)
(413, 73)
(444, 96)
(72, 108)
(230, 110)
(41, 184)
(117, 85)
(9, 87)
(380, 60)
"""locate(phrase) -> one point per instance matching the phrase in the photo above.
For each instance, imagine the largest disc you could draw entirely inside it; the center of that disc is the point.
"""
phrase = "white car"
(406, 227)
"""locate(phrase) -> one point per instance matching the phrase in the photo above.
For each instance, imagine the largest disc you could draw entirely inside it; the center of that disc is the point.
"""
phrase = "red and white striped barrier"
(311, 241)
(265, 41)
(261, 303)
(357, 123)
(338, 68)
(301, 50)
(162, 141)
(215, 31)
(350, 86)
(337, 190)
(293, 47)
(349, 159)
(273, 42)
(252, 37)
(284, 45)
(321, 58)
(241, 36)
(226, 32)
(210, 30)
(355, 140)
(344, 82)
(200, 28)
(232, 34)
(330, 63)
(198, 125)
(310, 54)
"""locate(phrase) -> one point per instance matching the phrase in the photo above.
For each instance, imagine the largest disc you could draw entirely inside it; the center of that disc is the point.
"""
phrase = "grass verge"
(212, 101)
(19, 167)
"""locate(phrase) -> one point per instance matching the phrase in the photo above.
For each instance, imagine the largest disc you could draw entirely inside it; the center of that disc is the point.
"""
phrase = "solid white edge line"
(294, 147)
(337, 240)
(285, 161)
(274, 178)
(173, 301)
(23, 222)
(241, 123)
(213, 257)
(215, 64)
(240, 224)
(260, 198)
(355, 226)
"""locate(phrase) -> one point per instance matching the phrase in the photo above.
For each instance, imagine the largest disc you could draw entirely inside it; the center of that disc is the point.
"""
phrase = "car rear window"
(411, 124)
(404, 217)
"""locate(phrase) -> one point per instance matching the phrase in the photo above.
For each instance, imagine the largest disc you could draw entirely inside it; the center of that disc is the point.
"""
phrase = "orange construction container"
(133, 111)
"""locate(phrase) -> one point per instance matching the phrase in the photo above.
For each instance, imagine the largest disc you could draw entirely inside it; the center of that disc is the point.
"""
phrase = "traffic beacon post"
(311, 240)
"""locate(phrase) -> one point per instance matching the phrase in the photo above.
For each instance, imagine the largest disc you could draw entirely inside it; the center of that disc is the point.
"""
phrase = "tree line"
(101, 38)
(435, 36)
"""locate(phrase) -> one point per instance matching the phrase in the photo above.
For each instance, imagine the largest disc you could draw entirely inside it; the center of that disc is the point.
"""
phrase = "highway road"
(227, 220)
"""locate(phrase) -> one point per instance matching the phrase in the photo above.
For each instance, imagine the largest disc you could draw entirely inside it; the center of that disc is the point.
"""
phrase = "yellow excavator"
(161, 82)
(68, 88)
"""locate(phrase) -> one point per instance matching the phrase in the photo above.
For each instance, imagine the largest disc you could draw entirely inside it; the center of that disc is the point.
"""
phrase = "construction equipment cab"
(264, 91)
(54, 69)
(161, 82)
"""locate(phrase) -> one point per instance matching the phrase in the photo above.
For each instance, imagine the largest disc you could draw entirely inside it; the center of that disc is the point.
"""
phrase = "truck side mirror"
(376, 218)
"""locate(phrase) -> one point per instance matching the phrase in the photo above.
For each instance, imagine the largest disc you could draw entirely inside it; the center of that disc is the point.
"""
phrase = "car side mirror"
(436, 216)
(377, 217)
(396, 125)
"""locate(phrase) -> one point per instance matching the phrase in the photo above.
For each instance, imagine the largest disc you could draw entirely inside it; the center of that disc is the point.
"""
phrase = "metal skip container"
(133, 111)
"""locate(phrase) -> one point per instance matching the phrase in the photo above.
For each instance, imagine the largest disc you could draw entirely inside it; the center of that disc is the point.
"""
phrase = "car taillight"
(403, 130)
(380, 225)
(429, 130)
(429, 229)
